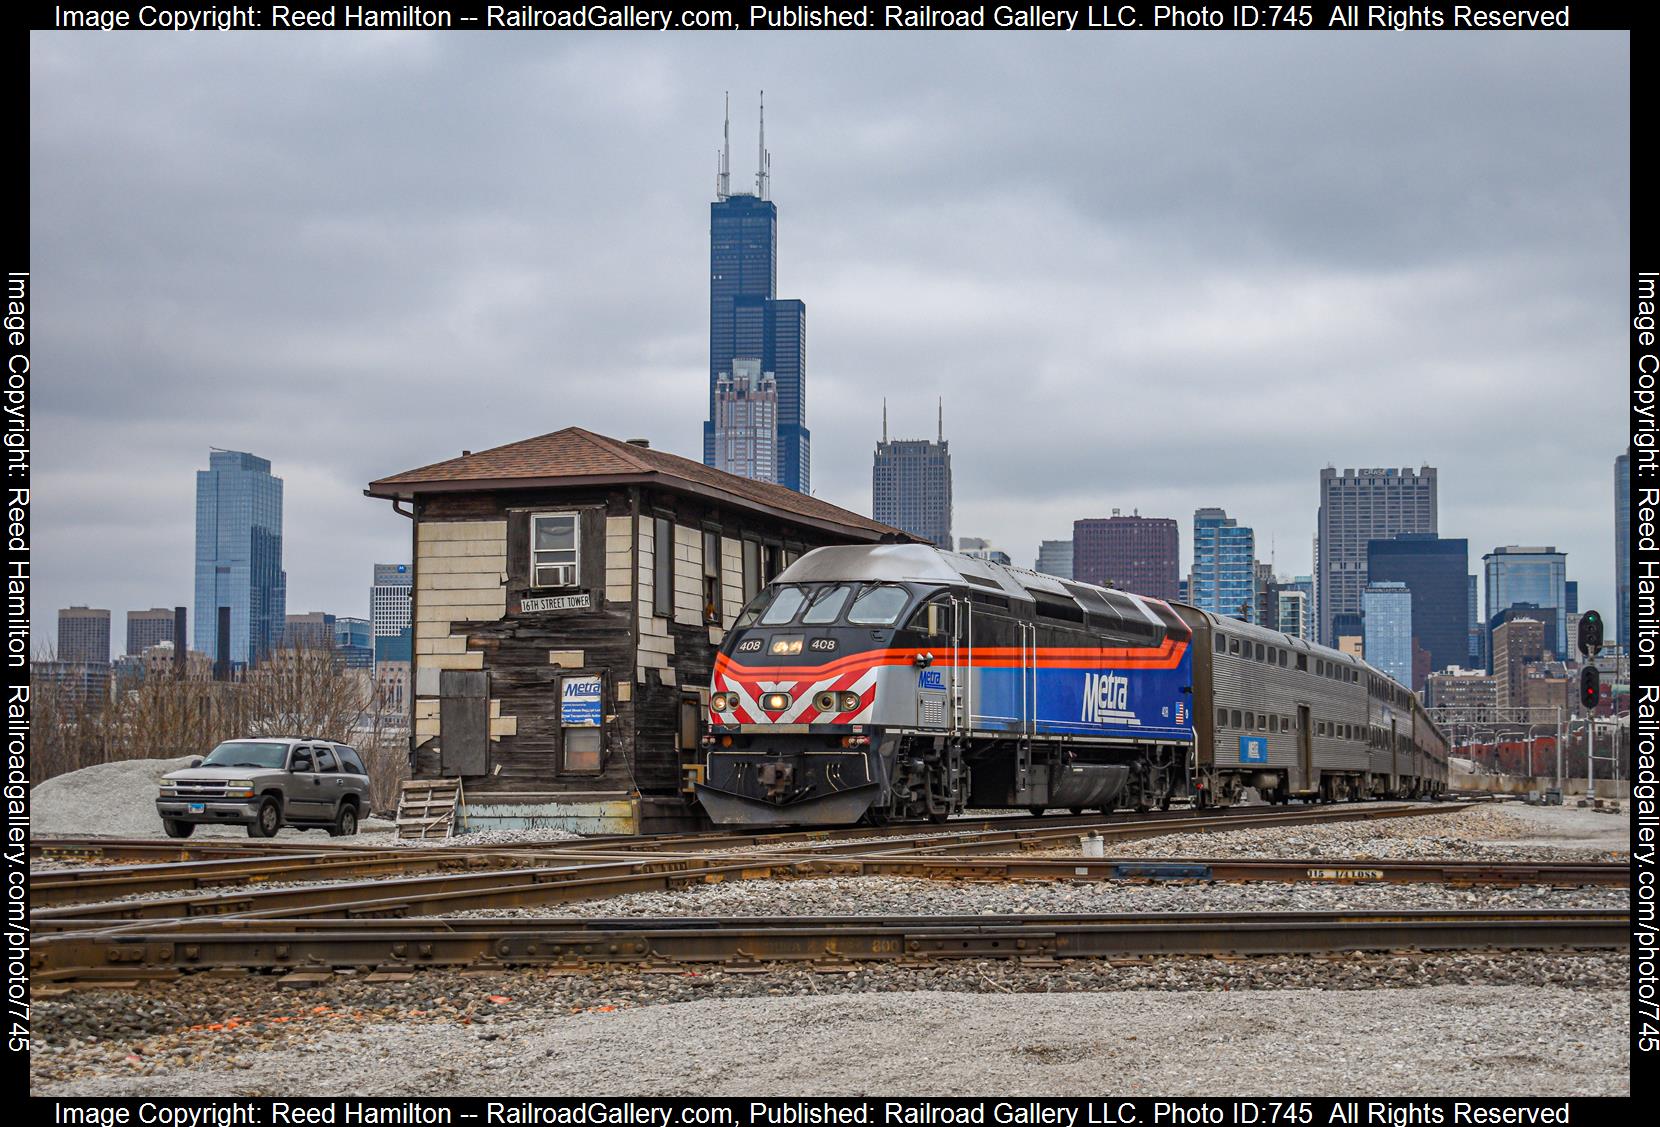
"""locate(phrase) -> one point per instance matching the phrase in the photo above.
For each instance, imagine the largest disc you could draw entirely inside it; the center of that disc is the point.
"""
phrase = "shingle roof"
(576, 456)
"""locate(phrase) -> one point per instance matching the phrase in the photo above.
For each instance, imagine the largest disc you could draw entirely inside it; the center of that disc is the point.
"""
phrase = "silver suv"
(266, 784)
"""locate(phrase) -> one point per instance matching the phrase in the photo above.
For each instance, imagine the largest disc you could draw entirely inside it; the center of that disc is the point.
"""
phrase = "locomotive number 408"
(822, 644)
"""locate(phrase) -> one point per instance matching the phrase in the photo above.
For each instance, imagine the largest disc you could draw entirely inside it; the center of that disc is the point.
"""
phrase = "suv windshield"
(236, 754)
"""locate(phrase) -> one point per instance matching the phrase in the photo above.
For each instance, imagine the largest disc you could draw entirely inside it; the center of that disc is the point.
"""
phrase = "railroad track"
(827, 942)
(147, 850)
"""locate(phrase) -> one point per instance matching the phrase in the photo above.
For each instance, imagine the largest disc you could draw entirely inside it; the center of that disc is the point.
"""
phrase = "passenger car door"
(330, 782)
(303, 784)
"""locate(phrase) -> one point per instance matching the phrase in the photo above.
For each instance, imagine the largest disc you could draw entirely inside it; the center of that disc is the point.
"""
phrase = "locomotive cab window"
(878, 606)
(752, 610)
(932, 620)
(784, 606)
(826, 605)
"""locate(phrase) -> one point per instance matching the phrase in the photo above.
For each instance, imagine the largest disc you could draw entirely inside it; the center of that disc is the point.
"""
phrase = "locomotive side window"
(784, 606)
(827, 605)
(932, 620)
(878, 606)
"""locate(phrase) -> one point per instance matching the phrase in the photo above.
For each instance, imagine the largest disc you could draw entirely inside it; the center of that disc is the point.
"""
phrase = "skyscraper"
(146, 628)
(84, 636)
(1387, 607)
(239, 556)
(1437, 572)
(1055, 558)
(1536, 575)
(389, 603)
(1223, 579)
(1357, 506)
(910, 484)
(1622, 550)
(1133, 553)
(746, 421)
(748, 321)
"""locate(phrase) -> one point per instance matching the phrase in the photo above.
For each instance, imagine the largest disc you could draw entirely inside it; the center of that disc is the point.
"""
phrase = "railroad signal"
(1590, 633)
(1590, 687)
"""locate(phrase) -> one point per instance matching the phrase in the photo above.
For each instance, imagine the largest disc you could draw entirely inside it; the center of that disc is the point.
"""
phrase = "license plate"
(198, 808)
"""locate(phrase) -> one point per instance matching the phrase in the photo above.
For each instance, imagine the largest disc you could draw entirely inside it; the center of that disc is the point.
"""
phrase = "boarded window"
(752, 569)
(662, 568)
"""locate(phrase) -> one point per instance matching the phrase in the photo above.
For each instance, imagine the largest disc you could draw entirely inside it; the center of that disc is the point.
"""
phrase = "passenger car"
(265, 784)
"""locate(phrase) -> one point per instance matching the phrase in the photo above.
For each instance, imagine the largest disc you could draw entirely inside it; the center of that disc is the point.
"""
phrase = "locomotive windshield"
(871, 605)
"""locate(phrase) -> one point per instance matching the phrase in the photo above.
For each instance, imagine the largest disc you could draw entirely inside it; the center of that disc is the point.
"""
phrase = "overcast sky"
(1146, 271)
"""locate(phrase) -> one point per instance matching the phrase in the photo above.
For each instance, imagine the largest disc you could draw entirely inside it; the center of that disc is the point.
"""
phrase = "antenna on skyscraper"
(884, 420)
(763, 165)
(942, 418)
(723, 175)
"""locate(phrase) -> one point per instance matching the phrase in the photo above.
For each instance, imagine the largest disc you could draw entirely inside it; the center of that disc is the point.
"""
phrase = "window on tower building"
(553, 549)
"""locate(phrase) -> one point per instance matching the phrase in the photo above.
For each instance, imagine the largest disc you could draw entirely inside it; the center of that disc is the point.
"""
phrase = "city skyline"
(1209, 287)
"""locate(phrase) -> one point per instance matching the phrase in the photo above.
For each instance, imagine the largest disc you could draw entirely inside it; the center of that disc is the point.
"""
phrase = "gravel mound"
(119, 800)
(933, 1031)
(490, 837)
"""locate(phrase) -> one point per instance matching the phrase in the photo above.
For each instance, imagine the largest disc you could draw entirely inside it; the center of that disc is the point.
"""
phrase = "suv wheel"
(345, 822)
(176, 828)
(268, 821)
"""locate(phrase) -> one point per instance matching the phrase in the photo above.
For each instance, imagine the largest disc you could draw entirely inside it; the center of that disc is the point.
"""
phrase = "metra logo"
(1104, 694)
(932, 679)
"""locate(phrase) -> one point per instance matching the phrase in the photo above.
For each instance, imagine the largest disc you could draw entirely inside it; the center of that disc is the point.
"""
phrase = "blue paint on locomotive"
(1141, 704)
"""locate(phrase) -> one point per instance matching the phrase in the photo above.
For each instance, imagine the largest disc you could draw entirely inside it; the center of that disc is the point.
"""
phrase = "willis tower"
(749, 323)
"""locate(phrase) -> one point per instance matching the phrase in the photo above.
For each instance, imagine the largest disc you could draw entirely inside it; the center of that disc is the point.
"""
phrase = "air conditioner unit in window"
(556, 575)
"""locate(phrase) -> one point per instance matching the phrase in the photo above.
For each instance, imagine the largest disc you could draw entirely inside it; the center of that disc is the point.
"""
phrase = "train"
(900, 682)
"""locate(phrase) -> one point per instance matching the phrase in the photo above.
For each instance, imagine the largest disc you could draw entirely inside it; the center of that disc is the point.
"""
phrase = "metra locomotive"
(900, 682)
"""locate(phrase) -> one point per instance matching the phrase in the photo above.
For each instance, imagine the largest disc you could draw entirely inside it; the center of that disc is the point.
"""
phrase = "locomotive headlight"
(722, 702)
(785, 647)
(825, 702)
(775, 702)
(849, 702)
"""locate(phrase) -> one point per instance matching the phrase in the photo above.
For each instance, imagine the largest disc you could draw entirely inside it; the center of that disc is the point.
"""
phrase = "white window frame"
(574, 566)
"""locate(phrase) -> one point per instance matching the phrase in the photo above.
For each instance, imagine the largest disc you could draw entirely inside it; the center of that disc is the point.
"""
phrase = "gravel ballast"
(1493, 1025)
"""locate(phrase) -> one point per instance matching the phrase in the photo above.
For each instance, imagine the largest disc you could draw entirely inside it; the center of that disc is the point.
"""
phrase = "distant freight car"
(900, 682)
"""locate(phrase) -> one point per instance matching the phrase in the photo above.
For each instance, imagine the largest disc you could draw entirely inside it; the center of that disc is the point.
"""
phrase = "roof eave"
(407, 490)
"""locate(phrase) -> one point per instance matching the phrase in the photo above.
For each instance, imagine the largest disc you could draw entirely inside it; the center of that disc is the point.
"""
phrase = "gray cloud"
(1153, 271)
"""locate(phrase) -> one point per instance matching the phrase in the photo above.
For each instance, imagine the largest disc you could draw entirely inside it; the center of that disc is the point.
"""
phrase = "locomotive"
(899, 682)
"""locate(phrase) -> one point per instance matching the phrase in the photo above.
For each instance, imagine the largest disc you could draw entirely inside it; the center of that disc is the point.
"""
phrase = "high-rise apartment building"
(746, 421)
(1223, 579)
(239, 556)
(1132, 553)
(747, 319)
(1055, 558)
(910, 485)
(84, 636)
(146, 628)
(389, 619)
(1622, 550)
(1386, 610)
(1356, 507)
(1293, 617)
(1516, 644)
(1437, 572)
(1536, 575)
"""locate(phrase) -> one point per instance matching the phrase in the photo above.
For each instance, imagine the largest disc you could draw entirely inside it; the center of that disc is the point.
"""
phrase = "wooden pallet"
(429, 808)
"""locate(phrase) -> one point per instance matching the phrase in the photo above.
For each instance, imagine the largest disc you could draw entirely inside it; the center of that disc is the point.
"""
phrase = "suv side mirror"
(195, 760)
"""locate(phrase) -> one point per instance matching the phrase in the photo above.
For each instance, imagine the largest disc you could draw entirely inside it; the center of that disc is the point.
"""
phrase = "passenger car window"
(784, 606)
(349, 760)
(325, 760)
(878, 606)
(300, 760)
(1221, 643)
(827, 605)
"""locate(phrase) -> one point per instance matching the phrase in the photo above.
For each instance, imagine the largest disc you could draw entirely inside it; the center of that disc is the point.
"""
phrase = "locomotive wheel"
(1037, 811)
(1076, 809)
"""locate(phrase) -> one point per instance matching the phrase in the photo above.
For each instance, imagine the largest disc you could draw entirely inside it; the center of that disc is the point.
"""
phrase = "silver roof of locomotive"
(924, 563)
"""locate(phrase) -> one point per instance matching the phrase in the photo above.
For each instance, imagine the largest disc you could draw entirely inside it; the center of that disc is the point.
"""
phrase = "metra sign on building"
(569, 594)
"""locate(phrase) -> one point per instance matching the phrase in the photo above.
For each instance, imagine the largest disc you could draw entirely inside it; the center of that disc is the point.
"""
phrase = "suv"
(265, 784)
